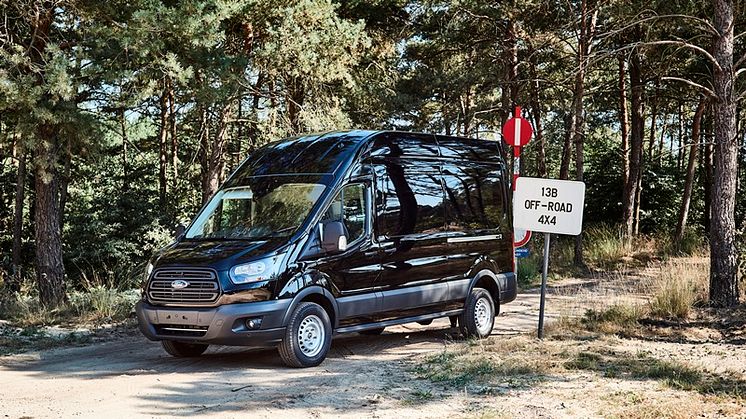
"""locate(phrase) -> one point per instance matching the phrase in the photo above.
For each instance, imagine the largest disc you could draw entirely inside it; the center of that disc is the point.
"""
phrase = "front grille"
(181, 330)
(202, 288)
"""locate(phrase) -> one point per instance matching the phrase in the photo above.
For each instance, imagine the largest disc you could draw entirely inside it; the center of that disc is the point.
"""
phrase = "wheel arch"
(488, 280)
(314, 294)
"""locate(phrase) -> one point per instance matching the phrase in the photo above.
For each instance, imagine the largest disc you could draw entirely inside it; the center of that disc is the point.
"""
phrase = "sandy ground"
(363, 376)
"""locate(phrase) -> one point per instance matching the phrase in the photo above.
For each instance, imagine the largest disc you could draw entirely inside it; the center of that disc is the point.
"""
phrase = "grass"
(605, 247)
(94, 304)
(614, 319)
(679, 287)
(672, 374)
(484, 366)
(506, 365)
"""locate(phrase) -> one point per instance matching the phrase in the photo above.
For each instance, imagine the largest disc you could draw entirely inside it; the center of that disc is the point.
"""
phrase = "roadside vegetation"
(95, 309)
(634, 338)
(606, 250)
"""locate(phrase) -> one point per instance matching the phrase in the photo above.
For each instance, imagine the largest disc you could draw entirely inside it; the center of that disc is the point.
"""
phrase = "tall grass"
(94, 303)
(680, 286)
(605, 246)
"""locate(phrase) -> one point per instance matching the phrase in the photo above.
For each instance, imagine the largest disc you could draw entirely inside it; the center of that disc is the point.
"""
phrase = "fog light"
(253, 323)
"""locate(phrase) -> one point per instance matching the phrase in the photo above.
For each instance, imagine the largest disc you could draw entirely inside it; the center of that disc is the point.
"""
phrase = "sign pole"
(544, 270)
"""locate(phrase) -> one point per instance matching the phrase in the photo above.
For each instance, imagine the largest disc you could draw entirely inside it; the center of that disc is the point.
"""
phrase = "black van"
(334, 233)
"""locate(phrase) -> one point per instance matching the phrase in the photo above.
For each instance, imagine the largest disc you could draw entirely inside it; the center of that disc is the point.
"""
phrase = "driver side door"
(354, 271)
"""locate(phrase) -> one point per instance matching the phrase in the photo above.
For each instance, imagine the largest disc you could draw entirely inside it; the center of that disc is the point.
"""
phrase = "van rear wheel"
(308, 336)
(478, 317)
(182, 349)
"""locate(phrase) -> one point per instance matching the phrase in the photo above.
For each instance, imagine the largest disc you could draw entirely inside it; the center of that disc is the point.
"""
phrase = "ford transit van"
(336, 233)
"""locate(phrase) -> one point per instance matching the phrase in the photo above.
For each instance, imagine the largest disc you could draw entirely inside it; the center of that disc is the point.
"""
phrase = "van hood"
(220, 255)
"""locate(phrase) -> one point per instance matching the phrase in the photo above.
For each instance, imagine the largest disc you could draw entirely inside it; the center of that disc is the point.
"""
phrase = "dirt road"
(363, 376)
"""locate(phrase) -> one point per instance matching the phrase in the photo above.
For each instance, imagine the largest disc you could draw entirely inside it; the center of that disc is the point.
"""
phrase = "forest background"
(118, 119)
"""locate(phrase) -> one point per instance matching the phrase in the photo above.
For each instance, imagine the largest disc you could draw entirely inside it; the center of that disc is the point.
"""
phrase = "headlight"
(146, 277)
(148, 271)
(257, 271)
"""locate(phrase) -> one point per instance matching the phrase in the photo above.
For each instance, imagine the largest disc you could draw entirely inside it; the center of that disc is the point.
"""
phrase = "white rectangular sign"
(548, 205)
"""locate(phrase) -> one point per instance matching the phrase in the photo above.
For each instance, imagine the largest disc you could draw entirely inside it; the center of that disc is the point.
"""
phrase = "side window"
(410, 198)
(474, 197)
(349, 207)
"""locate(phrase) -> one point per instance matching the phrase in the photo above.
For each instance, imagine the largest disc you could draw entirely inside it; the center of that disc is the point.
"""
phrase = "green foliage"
(529, 270)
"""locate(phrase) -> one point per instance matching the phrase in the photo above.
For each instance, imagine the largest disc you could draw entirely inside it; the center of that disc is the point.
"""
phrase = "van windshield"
(266, 209)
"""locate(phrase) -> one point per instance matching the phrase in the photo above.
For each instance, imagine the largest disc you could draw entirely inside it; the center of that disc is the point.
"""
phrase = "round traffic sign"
(517, 131)
(521, 237)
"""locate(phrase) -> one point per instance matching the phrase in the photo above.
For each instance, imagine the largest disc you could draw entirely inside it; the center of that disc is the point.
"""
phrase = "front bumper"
(221, 325)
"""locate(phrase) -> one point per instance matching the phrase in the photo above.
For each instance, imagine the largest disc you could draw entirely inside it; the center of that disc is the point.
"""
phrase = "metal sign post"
(548, 206)
(517, 132)
(544, 270)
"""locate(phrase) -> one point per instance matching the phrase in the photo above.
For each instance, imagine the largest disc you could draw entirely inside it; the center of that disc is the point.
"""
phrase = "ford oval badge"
(179, 284)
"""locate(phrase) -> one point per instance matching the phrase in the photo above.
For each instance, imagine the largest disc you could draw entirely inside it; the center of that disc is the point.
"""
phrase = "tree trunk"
(653, 121)
(636, 141)
(162, 153)
(723, 251)
(16, 273)
(509, 91)
(624, 119)
(295, 97)
(690, 172)
(125, 140)
(215, 160)
(681, 154)
(204, 150)
(564, 172)
(707, 168)
(172, 134)
(587, 29)
(664, 131)
(536, 113)
(65, 183)
(50, 271)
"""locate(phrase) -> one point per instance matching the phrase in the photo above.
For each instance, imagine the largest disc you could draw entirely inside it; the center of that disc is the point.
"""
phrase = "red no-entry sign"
(517, 131)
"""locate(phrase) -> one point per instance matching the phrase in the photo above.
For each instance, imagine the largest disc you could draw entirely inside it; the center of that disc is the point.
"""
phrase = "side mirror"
(333, 237)
(180, 230)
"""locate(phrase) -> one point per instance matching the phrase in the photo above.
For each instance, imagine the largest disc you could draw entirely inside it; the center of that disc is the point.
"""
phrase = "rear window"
(469, 149)
(475, 197)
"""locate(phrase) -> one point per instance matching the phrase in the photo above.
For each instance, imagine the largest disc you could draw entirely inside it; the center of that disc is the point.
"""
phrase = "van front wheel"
(478, 317)
(183, 350)
(307, 338)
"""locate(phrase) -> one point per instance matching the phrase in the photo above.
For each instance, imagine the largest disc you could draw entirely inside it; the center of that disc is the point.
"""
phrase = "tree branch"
(709, 27)
(704, 90)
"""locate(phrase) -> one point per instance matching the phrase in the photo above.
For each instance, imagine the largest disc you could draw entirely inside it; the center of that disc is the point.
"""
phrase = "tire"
(478, 317)
(183, 350)
(311, 321)
(372, 332)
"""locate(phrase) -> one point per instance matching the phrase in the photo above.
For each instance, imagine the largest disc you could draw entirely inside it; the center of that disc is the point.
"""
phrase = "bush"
(95, 303)
(529, 271)
(102, 303)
